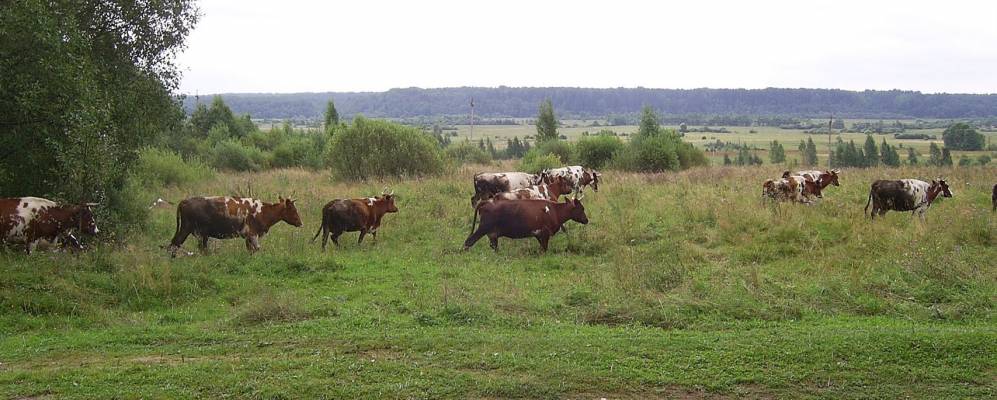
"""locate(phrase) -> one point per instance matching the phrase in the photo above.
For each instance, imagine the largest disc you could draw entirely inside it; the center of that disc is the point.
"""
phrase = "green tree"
(911, 156)
(962, 136)
(934, 155)
(546, 122)
(777, 154)
(649, 123)
(83, 86)
(871, 152)
(889, 155)
(946, 157)
(810, 155)
(332, 116)
(727, 160)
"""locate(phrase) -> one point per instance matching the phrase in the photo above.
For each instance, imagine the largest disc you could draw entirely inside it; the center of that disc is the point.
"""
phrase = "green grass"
(682, 285)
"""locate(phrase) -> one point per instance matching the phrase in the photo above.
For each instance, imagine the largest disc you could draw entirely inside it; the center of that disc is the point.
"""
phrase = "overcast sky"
(374, 45)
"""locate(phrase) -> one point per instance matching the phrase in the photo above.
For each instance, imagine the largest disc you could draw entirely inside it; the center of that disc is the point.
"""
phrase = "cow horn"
(384, 191)
(91, 204)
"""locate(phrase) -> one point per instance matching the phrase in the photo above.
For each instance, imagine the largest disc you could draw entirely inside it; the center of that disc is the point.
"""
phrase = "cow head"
(592, 176)
(560, 184)
(85, 219)
(577, 210)
(289, 213)
(786, 174)
(830, 176)
(940, 186)
(388, 200)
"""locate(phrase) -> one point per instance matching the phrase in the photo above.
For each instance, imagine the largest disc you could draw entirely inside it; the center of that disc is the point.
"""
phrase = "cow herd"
(510, 204)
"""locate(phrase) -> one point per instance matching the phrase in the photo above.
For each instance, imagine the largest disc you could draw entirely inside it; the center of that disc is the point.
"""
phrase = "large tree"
(83, 86)
(546, 122)
(961, 136)
(331, 115)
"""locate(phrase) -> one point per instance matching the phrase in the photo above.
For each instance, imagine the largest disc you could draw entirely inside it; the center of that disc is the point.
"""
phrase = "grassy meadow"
(682, 285)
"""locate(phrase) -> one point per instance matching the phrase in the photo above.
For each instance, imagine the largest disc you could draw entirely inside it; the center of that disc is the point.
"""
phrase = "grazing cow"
(578, 176)
(30, 220)
(823, 178)
(905, 195)
(224, 217)
(552, 191)
(993, 198)
(525, 218)
(488, 184)
(351, 215)
(794, 187)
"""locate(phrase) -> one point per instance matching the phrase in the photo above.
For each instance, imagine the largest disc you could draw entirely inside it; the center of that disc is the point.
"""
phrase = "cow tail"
(179, 221)
(320, 227)
(866, 209)
(474, 217)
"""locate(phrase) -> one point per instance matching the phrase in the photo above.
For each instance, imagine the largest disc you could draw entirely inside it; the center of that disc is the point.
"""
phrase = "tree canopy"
(961, 136)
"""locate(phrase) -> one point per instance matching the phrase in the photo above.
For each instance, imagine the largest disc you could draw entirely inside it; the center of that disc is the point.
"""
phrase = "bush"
(564, 151)
(467, 152)
(378, 149)
(534, 162)
(596, 151)
(983, 159)
(157, 167)
(299, 151)
(231, 154)
(961, 136)
(656, 153)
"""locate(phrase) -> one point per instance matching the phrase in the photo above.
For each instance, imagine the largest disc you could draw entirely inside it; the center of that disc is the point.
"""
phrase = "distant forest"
(508, 102)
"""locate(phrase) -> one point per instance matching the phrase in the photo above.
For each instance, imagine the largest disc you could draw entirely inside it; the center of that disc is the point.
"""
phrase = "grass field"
(683, 285)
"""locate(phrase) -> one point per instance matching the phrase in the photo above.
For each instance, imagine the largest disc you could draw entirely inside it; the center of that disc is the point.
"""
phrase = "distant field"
(790, 138)
(683, 285)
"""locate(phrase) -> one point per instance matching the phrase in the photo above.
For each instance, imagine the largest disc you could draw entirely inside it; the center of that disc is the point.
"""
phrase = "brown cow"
(904, 195)
(488, 184)
(823, 178)
(30, 220)
(525, 218)
(552, 189)
(351, 215)
(224, 217)
(794, 188)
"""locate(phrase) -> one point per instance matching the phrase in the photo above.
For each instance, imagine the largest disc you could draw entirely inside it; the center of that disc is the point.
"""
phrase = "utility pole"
(829, 124)
(472, 119)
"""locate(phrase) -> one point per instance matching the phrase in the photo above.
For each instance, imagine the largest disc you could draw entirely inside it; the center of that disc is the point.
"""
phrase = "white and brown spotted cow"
(905, 195)
(823, 178)
(791, 188)
(225, 217)
(550, 190)
(488, 184)
(578, 176)
(31, 220)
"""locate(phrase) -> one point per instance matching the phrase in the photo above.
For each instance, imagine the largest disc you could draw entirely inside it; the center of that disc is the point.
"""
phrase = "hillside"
(585, 102)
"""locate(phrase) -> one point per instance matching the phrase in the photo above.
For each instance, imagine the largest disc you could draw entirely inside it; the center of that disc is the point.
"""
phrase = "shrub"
(534, 162)
(596, 151)
(231, 154)
(378, 149)
(160, 167)
(983, 159)
(299, 151)
(564, 151)
(961, 136)
(466, 152)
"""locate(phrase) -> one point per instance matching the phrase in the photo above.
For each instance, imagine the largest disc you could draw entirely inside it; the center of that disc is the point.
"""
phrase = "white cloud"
(293, 46)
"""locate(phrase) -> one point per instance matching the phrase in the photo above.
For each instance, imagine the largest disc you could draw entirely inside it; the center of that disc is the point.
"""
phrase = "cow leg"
(202, 244)
(363, 232)
(252, 243)
(543, 239)
(325, 236)
(474, 237)
(335, 237)
(493, 241)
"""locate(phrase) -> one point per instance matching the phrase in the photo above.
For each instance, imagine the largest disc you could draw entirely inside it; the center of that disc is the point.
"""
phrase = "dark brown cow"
(30, 220)
(904, 195)
(552, 189)
(225, 217)
(351, 215)
(525, 218)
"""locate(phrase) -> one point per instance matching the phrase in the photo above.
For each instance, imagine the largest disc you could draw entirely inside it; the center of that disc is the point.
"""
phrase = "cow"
(904, 195)
(227, 217)
(578, 176)
(525, 218)
(30, 220)
(993, 198)
(488, 184)
(794, 187)
(552, 191)
(823, 178)
(351, 215)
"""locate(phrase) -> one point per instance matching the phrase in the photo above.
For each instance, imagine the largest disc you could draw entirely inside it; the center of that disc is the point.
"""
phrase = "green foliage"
(889, 155)
(331, 116)
(649, 125)
(810, 155)
(983, 159)
(231, 154)
(83, 87)
(934, 155)
(962, 136)
(777, 154)
(379, 149)
(746, 157)
(946, 158)
(546, 122)
(300, 150)
(534, 162)
(157, 168)
(516, 148)
(871, 152)
(597, 151)
(965, 161)
(912, 156)
(564, 150)
(467, 153)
